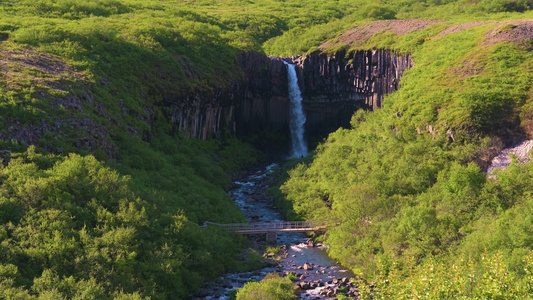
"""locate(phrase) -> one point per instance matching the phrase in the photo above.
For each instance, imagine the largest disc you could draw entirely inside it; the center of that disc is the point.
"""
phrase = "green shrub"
(274, 250)
(292, 276)
(272, 287)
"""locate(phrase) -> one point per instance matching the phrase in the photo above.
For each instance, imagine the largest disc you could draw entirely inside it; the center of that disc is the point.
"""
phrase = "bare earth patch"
(461, 27)
(363, 33)
(467, 69)
(32, 59)
(514, 31)
(37, 67)
(517, 31)
(24, 68)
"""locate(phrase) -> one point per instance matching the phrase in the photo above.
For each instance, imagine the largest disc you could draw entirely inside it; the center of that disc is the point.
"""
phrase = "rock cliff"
(258, 101)
(254, 102)
(333, 87)
(264, 105)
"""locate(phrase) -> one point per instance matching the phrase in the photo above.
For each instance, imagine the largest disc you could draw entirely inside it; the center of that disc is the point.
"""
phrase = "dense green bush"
(73, 228)
(492, 279)
(377, 12)
(506, 5)
(273, 287)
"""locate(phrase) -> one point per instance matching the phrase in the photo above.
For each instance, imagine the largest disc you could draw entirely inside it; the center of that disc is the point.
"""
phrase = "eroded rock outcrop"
(520, 151)
(26, 122)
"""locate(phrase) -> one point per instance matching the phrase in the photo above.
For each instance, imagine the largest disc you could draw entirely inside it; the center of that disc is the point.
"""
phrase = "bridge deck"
(263, 227)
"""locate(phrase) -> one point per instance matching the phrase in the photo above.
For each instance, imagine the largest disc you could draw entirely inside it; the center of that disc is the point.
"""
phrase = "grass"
(274, 250)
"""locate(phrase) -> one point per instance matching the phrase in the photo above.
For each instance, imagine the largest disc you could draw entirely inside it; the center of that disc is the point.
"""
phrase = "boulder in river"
(305, 285)
(308, 267)
(203, 293)
(336, 290)
(226, 284)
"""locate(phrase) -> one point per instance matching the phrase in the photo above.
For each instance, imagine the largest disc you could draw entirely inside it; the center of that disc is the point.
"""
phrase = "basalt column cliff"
(333, 88)
(256, 102)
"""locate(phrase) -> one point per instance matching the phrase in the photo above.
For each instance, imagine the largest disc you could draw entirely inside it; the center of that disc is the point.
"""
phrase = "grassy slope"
(403, 182)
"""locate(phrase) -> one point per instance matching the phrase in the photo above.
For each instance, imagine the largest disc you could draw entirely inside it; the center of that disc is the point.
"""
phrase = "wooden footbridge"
(271, 228)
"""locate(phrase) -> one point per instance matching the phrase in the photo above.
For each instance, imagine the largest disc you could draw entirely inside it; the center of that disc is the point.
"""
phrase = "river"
(249, 195)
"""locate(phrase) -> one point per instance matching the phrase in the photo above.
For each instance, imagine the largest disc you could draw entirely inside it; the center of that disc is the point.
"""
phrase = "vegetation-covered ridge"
(118, 219)
(407, 182)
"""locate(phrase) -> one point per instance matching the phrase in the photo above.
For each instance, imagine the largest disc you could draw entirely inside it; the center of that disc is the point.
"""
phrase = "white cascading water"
(297, 121)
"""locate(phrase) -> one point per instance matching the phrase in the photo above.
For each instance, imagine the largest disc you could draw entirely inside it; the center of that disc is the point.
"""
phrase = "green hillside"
(100, 197)
(406, 182)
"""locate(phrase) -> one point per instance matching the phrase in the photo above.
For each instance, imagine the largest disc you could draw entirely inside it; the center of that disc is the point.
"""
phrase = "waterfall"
(297, 117)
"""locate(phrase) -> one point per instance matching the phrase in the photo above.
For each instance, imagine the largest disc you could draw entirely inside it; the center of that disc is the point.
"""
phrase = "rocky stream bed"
(317, 276)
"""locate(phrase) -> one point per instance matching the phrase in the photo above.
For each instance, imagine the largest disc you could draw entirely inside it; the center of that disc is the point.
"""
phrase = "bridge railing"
(271, 226)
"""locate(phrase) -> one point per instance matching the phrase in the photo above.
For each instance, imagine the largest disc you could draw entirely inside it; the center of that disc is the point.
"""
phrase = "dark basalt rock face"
(264, 105)
(256, 102)
(333, 88)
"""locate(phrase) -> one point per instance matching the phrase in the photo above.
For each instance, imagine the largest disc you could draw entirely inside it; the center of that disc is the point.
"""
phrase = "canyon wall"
(333, 88)
(253, 103)
(256, 102)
